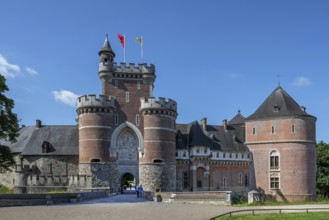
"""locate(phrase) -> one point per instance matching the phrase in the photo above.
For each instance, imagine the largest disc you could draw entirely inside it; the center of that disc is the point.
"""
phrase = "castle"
(126, 133)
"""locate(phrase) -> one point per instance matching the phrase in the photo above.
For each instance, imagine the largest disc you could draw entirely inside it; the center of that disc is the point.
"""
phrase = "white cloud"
(301, 81)
(66, 97)
(8, 70)
(31, 71)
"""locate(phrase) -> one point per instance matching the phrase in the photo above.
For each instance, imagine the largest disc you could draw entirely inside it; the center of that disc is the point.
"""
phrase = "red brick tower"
(157, 166)
(281, 137)
(95, 121)
(127, 83)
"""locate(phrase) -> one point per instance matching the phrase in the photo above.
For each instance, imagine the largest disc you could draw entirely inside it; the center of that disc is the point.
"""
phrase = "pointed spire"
(106, 47)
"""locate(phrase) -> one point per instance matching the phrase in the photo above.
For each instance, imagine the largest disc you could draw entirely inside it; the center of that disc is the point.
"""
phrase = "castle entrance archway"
(126, 145)
(128, 183)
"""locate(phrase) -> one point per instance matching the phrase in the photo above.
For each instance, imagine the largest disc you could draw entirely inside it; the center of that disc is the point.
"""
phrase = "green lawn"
(285, 216)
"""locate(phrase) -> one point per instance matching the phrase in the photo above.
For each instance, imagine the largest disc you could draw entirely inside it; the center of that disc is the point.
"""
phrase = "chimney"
(225, 124)
(204, 124)
(38, 123)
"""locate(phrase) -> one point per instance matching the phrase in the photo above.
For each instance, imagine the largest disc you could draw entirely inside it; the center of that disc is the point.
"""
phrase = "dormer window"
(276, 108)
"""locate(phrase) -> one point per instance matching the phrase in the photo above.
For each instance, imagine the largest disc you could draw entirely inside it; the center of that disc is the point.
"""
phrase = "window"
(274, 182)
(274, 160)
(224, 183)
(236, 155)
(137, 120)
(127, 96)
(94, 160)
(273, 129)
(253, 130)
(199, 183)
(240, 177)
(185, 179)
(184, 154)
(205, 150)
(105, 62)
(246, 181)
(198, 150)
(138, 85)
(230, 155)
(176, 154)
(293, 128)
(116, 119)
(217, 155)
(224, 155)
(242, 156)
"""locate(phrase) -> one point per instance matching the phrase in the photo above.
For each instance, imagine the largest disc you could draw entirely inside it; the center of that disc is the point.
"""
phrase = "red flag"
(122, 39)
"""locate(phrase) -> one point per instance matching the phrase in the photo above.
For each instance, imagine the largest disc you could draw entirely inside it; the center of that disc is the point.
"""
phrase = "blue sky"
(213, 56)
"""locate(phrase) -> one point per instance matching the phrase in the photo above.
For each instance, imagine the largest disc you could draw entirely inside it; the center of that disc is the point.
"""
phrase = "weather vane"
(278, 76)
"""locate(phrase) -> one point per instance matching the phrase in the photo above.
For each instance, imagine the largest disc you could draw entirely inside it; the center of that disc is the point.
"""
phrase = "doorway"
(128, 183)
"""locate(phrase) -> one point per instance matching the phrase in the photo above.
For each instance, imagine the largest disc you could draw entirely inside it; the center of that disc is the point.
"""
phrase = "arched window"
(127, 96)
(95, 160)
(246, 181)
(138, 120)
(274, 160)
(116, 119)
(224, 183)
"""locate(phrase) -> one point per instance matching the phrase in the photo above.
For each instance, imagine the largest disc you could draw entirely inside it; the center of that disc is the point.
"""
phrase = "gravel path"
(119, 207)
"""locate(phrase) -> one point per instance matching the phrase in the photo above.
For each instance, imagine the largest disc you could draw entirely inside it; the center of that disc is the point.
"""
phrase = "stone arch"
(120, 129)
(128, 176)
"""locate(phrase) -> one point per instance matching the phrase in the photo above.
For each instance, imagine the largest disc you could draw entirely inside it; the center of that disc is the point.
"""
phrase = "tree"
(8, 126)
(322, 176)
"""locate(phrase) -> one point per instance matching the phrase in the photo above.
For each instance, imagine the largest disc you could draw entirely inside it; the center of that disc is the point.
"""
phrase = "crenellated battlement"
(91, 101)
(133, 68)
(161, 105)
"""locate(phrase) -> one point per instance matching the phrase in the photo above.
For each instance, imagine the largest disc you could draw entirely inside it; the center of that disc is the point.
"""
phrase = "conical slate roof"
(278, 104)
(238, 119)
(107, 47)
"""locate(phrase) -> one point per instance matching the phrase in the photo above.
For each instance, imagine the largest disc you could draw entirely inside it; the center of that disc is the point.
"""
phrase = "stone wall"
(155, 177)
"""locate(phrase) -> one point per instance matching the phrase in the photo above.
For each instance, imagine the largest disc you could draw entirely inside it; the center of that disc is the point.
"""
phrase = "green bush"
(5, 190)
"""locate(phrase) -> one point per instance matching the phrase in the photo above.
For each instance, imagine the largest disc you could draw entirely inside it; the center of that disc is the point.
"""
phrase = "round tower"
(281, 137)
(157, 161)
(95, 128)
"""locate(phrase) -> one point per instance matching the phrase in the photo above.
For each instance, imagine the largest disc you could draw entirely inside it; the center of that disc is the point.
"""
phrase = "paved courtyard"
(119, 207)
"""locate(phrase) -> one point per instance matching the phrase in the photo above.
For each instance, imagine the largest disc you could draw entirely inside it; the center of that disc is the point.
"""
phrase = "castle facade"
(127, 133)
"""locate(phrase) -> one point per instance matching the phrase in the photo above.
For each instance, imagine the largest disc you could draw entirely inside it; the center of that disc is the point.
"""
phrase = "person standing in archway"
(137, 191)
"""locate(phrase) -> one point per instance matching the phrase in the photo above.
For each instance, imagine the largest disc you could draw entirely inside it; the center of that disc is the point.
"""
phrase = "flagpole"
(124, 48)
(142, 48)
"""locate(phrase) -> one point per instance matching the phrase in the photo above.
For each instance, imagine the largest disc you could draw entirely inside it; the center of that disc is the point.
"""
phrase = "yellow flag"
(139, 39)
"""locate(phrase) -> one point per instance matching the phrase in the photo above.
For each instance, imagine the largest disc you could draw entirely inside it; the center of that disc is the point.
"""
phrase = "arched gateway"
(126, 143)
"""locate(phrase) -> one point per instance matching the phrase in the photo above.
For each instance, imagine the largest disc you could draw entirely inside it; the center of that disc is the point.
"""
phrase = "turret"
(106, 63)
(157, 162)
